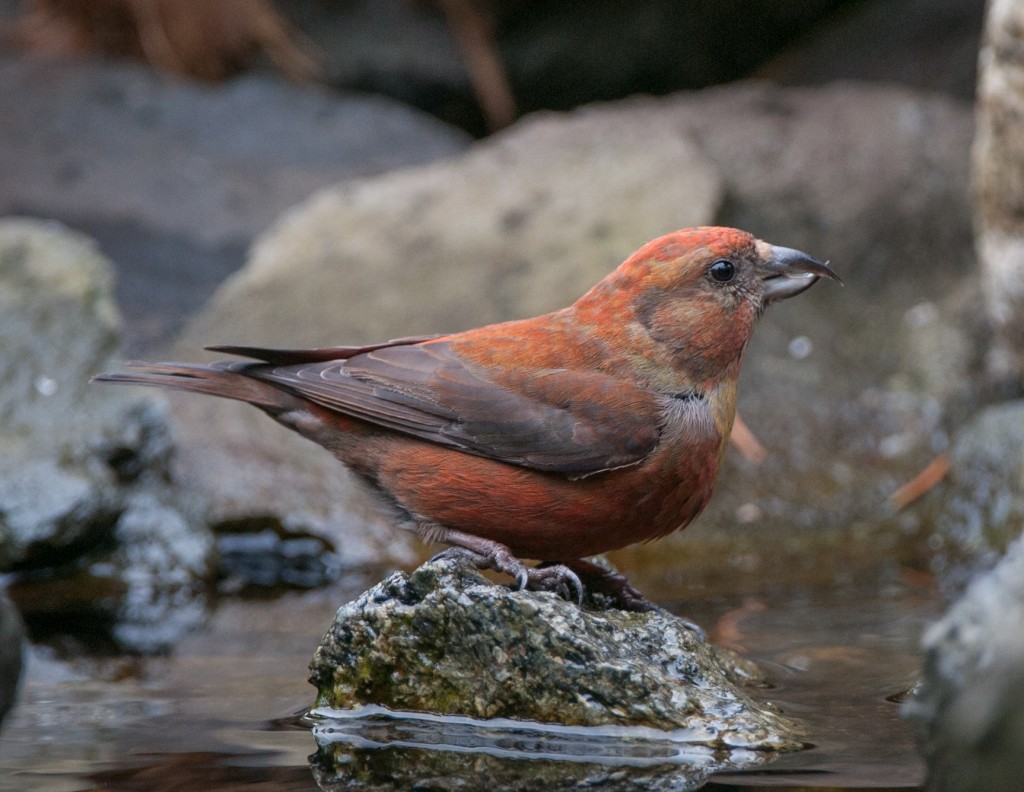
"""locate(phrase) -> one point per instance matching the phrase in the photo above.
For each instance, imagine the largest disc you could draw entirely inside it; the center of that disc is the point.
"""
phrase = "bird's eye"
(722, 271)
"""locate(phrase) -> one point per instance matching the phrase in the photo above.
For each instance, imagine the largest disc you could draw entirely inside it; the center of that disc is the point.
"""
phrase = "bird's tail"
(227, 380)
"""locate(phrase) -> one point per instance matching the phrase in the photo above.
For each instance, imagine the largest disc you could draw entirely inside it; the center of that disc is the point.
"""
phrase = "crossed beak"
(787, 272)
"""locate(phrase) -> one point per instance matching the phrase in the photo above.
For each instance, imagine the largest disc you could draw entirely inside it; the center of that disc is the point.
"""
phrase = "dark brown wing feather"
(553, 420)
(287, 357)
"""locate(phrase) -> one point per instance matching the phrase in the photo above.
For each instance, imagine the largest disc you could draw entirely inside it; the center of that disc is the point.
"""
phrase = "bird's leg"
(488, 554)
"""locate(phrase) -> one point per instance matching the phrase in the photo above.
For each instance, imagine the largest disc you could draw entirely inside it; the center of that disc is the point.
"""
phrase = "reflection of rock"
(163, 561)
(384, 751)
(11, 638)
(979, 510)
(266, 557)
(445, 640)
(84, 471)
(971, 703)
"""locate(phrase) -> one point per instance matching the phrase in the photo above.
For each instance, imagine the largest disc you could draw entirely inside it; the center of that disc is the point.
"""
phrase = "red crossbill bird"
(554, 438)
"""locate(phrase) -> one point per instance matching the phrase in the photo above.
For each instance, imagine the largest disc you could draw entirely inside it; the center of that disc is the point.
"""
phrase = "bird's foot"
(485, 554)
(498, 558)
(600, 578)
(557, 578)
(571, 579)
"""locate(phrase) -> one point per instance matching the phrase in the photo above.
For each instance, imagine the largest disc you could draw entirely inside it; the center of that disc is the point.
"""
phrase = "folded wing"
(553, 420)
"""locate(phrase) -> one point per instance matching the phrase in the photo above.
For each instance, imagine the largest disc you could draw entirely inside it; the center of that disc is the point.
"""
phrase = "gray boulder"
(979, 511)
(84, 469)
(522, 224)
(874, 179)
(970, 706)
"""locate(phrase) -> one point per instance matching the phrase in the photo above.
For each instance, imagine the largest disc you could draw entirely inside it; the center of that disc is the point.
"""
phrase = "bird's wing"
(554, 420)
(286, 357)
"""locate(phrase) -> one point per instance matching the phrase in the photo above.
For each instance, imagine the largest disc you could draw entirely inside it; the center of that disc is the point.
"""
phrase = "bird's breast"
(682, 471)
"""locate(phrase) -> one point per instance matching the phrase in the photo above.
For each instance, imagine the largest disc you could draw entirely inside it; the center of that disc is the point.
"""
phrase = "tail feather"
(226, 380)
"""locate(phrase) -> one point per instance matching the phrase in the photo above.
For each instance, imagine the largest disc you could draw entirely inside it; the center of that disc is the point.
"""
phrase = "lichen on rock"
(445, 640)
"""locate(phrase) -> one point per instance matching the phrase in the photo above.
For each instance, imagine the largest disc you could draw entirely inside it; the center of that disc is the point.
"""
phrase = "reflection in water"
(411, 750)
(378, 750)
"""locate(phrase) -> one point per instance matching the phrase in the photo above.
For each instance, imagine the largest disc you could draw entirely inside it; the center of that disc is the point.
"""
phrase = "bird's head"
(691, 298)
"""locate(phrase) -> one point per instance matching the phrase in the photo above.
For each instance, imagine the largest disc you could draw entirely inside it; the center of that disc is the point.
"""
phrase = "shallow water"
(221, 712)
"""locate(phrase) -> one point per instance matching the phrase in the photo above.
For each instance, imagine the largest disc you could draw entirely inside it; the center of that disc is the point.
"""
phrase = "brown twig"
(475, 36)
(727, 631)
(192, 37)
(746, 443)
(934, 472)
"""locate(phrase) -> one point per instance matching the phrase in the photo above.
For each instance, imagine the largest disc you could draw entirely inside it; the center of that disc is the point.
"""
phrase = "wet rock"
(970, 705)
(68, 449)
(978, 511)
(175, 179)
(11, 653)
(999, 186)
(84, 472)
(445, 640)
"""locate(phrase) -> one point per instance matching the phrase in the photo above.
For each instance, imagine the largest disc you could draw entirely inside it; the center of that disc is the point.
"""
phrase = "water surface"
(221, 712)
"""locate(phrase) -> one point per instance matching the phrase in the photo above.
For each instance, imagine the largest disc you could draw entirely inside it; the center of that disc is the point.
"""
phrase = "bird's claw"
(556, 578)
(695, 628)
(559, 579)
(454, 552)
